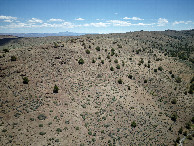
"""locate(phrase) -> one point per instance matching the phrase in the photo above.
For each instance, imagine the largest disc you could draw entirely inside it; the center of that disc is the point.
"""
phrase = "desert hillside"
(133, 88)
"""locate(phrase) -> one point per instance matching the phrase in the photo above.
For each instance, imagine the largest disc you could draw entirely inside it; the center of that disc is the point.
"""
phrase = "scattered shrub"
(41, 117)
(13, 58)
(59, 130)
(172, 75)
(81, 61)
(118, 66)
(102, 61)
(174, 117)
(173, 101)
(42, 133)
(145, 81)
(133, 124)
(55, 45)
(25, 80)
(56, 89)
(87, 51)
(188, 125)
(108, 56)
(93, 61)
(160, 68)
(116, 61)
(98, 48)
(130, 76)
(120, 81)
(155, 70)
(178, 139)
(180, 130)
(185, 133)
(5, 50)
(111, 68)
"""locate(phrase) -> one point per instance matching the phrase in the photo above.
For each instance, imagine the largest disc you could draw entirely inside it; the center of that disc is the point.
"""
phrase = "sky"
(95, 16)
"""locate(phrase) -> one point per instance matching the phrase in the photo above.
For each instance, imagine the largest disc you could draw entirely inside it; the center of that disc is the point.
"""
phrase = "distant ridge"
(67, 33)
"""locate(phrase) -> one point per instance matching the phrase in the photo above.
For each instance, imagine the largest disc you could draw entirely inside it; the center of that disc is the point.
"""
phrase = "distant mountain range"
(44, 34)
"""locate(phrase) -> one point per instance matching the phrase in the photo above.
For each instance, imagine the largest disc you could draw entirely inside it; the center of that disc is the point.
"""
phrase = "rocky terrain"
(133, 88)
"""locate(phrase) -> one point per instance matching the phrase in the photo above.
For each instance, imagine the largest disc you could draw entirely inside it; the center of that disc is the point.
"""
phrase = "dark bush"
(160, 68)
(108, 56)
(188, 125)
(155, 70)
(174, 117)
(56, 89)
(93, 61)
(81, 61)
(118, 66)
(87, 51)
(98, 48)
(59, 130)
(178, 139)
(42, 133)
(145, 81)
(172, 75)
(130, 76)
(180, 130)
(5, 50)
(102, 61)
(25, 80)
(116, 61)
(13, 58)
(173, 101)
(111, 68)
(41, 117)
(120, 81)
(133, 124)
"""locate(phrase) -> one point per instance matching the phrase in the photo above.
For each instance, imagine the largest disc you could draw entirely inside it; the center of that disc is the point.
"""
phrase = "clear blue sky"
(95, 16)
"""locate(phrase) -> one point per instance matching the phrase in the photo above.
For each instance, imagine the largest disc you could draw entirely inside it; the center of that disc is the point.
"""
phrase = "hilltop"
(134, 88)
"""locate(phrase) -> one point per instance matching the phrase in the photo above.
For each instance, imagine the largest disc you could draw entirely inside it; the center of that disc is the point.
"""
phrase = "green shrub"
(87, 51)
(102, 61)
(116, 61)
(25, 80)
(160, 68)
(120, 81)
(188, 125)
(108, 56)
(55, 45)
(5, 50)
(172, 76)
(185, 133)
(173, 101)
(56, 89)
(145, 81)
(192, 119)
(81, 61)
(178, 139)
(133, 124)
(118, 66)
(98, 48)
(180, 130)
(111, 68)
(42, 133)
(59, 130)
(13, 58)
(155, 70)
(93, 61)
(129, 88)
(41, 117)
(40, 125)
(130, 76)
(174, 117)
